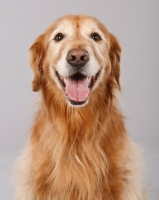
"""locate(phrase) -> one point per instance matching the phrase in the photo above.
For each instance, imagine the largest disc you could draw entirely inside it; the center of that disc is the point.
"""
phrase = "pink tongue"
(77, 90)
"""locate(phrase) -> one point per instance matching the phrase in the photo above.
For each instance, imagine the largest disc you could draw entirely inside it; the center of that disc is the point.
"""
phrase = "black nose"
(77, 57)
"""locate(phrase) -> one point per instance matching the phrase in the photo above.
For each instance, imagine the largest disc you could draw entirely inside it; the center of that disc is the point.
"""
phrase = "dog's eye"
(95, 37)
(59, 37)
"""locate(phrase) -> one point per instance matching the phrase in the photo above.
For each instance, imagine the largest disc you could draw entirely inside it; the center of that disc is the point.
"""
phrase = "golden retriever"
(78, 148)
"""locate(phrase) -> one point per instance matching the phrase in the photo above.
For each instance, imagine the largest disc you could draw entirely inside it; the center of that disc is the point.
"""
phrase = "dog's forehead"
(75, 24)
(89, 25)
(64, 26)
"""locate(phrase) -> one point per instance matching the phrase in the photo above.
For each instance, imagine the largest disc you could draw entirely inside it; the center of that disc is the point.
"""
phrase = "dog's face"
(77, 53)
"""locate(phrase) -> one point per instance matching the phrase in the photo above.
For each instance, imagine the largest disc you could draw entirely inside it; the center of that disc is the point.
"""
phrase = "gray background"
(135, 23)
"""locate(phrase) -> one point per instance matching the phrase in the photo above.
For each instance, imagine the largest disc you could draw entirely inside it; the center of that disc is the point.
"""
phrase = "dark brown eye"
(95, 37)
(59, 37)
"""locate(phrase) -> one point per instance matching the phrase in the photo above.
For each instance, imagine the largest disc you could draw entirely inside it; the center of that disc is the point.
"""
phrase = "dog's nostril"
(84, 58)
(73, 58)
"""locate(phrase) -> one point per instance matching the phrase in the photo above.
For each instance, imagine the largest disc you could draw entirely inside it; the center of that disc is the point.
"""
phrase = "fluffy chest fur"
(81, 157)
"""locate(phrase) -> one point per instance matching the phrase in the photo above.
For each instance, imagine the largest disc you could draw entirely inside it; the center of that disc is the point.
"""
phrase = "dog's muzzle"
(78, 85)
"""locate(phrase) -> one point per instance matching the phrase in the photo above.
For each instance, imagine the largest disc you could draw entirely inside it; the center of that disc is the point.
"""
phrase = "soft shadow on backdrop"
(136, 25)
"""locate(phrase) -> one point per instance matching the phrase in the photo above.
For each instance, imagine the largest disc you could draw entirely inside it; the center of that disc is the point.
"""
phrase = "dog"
(78, 148)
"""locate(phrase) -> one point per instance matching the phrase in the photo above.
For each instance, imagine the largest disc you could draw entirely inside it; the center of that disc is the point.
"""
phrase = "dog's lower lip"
(76, 102)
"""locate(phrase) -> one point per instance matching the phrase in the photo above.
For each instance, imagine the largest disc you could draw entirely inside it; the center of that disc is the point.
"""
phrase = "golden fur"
(78, 152)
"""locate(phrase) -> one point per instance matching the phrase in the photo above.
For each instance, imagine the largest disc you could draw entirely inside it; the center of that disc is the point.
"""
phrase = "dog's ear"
(37, 53)
(114, 54)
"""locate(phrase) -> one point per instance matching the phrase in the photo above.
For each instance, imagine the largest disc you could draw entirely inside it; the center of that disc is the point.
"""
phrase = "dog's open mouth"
(77, 87)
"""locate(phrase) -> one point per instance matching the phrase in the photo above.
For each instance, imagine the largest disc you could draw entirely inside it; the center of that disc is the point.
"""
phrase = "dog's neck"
(78, 140)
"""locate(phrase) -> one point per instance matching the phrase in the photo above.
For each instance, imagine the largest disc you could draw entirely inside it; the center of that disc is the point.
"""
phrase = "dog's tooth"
(89, 79)
(65, 79)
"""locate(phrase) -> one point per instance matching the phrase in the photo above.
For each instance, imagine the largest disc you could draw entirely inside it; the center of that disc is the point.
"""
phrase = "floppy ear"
(114, 53)
(37, 53)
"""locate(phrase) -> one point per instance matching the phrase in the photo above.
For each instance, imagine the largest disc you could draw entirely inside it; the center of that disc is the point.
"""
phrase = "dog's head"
(77, 53)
